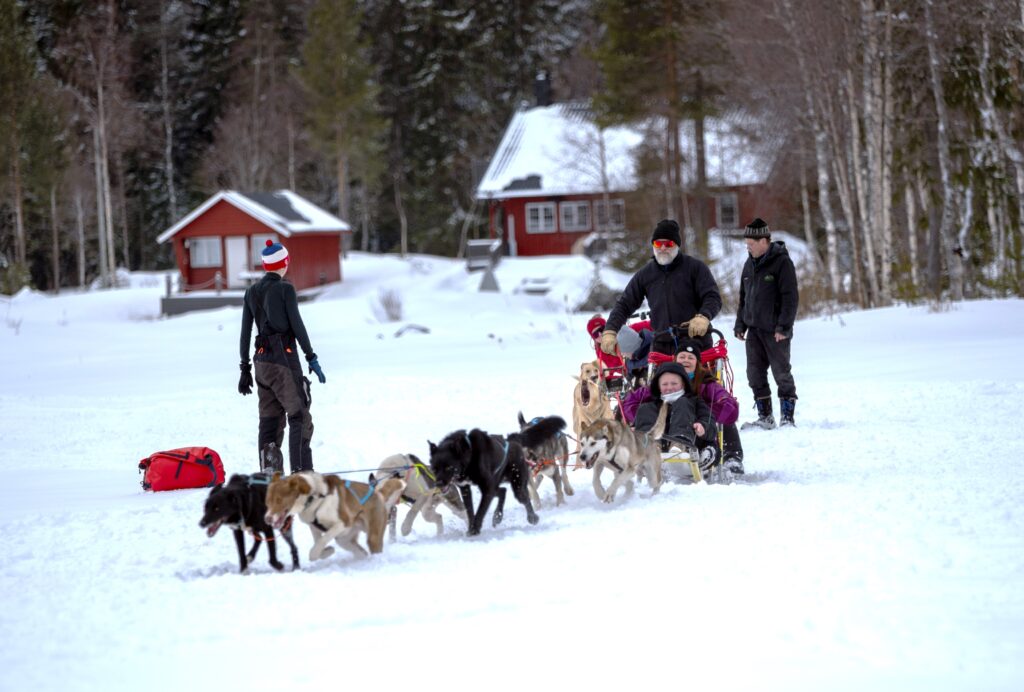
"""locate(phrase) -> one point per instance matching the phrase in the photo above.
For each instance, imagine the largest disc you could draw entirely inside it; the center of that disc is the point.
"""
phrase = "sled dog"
(420, 493)
(548, 459)
(336, 510)
(241, 504)
(475, 457)
(590, 403)
(614, 445)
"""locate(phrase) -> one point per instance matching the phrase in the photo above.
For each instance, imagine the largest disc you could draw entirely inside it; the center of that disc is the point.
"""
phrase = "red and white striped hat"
(275, 256)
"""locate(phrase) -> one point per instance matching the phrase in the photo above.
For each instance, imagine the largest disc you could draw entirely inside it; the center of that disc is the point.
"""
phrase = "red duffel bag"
(188, 467)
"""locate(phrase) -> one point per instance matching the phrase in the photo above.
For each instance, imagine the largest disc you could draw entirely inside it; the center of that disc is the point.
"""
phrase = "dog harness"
(369, 493)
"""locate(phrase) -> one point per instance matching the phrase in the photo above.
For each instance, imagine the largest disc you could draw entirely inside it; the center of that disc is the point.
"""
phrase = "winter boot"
(787, 407)
(271, 459)
(765, 419)
(733, 464)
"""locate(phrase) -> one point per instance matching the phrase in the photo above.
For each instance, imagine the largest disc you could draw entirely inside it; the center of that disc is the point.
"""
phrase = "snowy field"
(877, 546)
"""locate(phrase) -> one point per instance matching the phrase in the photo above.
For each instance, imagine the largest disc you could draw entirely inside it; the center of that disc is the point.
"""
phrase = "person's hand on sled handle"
(245, 381)
(698, 326)
(314, 366)
(608, 342)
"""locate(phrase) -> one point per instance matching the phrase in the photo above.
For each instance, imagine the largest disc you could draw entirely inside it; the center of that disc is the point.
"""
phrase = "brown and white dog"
(614, 445)
(336, 510)
(590, 403)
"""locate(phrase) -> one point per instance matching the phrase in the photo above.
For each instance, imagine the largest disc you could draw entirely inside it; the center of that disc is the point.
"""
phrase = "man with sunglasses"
(678, 288)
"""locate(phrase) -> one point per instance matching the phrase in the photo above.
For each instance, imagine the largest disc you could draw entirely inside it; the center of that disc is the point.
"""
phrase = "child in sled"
(723, 405)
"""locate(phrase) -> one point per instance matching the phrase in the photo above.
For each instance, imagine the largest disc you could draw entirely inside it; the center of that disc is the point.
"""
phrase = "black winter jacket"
(768, 292)
(273, 305)
(675, 293)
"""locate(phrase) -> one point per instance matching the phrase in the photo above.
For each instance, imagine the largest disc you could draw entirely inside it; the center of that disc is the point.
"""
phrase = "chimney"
(542, 89)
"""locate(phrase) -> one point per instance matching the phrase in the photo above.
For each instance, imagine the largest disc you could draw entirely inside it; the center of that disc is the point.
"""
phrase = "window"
(259, 243)
(540, 217)
(618, 214)
(204, 252)
(727, 210)
(575, 216)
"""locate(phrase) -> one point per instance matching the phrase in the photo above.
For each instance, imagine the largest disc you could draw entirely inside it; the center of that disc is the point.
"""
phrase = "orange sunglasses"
(661, 244)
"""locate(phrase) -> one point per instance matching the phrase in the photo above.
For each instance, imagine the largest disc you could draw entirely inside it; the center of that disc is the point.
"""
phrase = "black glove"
(245, 381)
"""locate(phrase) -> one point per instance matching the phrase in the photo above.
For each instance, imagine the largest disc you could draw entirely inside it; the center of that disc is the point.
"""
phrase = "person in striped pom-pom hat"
(283, 390)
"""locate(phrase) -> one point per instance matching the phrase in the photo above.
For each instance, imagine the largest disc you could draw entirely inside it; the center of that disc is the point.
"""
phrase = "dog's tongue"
(585, 395)
(212, 528)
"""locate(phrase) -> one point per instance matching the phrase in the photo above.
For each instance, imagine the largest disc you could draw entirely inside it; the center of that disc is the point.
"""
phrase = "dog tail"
(658, 429)
(540, 432)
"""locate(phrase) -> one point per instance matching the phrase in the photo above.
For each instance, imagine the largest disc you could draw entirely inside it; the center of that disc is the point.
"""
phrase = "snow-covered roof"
(283, 210)
(554, 150)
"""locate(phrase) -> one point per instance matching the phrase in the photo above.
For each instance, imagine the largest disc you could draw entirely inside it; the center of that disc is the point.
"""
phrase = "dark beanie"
(757, 229)
(690, 346)
(667, 229)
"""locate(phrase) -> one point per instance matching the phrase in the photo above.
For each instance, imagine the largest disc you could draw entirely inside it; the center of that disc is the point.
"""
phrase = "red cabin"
(545, 185)
(218, 245)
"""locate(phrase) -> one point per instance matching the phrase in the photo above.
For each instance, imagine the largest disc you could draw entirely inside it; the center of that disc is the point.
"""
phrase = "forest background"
(898, 124)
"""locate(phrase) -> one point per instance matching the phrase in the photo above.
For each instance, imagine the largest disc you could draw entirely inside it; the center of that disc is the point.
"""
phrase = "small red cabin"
(218, 244)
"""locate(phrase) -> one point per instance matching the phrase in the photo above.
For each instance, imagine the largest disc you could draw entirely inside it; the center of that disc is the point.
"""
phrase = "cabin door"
(237, 249)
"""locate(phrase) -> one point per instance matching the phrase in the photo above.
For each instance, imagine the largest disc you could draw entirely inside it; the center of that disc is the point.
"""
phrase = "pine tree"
(16, 81)
(339, 83)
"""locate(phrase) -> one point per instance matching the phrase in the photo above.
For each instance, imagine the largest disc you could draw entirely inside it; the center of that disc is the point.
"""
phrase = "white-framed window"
(727, 210)
(204, 252)
(575, 215)
(540, 217)
(259, 242)
(617, 218)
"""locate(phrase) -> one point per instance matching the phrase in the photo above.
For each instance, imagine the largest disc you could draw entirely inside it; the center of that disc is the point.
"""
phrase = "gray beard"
(673, 253)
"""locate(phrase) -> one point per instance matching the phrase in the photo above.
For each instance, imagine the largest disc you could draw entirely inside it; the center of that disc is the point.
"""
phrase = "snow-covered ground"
(879, 545)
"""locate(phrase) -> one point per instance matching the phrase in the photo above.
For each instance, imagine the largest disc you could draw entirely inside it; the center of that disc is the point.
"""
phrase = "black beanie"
(690, 346)
(667, 229)
(757, 229)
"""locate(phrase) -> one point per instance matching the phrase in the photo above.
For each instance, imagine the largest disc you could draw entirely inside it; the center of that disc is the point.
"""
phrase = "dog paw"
(607, 499)
(532, 518)
(277, 565)
(322, 555)
(498, 516)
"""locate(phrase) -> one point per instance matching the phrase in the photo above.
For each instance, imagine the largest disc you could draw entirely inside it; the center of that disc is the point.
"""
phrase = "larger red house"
(218, 244)
(545, 186)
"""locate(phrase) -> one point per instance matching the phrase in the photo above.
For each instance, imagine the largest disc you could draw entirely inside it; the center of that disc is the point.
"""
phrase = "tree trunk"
(20, 251)
(820, 148)
(56, 238)
(122, 203)
(402, 221)
(805, 206)
(343, 201)
(80, 224)
(908, 197)
(165, 102)
(886, 168)
(108, 207)
(101, 224)
(702, 170)
(953, 251)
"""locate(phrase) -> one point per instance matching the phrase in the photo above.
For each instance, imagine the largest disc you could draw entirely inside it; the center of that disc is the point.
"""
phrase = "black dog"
(487, 461)
(241, 504)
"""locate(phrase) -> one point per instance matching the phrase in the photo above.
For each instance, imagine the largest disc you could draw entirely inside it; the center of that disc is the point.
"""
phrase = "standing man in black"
(764, 319)
(678, 288)
(283, 390)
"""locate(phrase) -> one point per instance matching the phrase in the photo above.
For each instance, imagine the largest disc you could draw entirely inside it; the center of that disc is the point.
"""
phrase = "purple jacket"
(724, 406)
